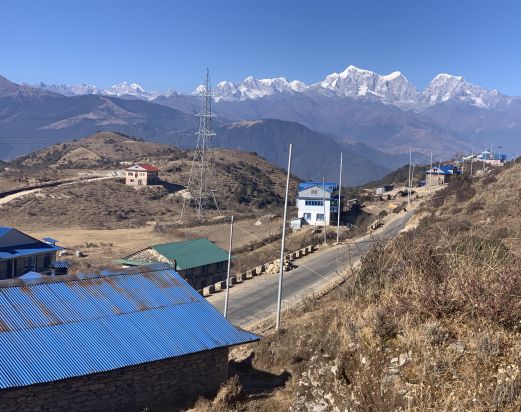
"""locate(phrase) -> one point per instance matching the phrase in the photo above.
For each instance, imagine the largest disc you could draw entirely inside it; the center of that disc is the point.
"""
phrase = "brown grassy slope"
(103, 150)
(243, 184)
(430, 322)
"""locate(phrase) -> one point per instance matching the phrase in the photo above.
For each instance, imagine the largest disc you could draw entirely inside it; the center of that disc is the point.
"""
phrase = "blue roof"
(4, 230)
(29, 245)
(11, 252)
(49, 240)
(31, 275)
(329, 186)
(60, 264)
(444, 170)
(60, 327)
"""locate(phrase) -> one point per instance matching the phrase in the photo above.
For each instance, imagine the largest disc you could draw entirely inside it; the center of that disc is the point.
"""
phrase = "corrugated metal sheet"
(68, 326)
(329, 186)
(60, 264)
(187, 254)
(26, 250)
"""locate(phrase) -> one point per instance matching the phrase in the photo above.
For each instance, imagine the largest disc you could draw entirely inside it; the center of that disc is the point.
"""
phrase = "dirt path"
(22, 193)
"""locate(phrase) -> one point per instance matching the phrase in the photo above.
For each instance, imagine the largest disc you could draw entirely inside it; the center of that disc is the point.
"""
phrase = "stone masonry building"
(122, 341)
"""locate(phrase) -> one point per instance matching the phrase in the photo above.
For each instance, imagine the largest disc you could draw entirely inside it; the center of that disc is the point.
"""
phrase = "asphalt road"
(256, 299)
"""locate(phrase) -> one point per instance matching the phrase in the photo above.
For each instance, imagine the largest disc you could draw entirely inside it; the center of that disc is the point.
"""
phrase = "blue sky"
(164, 44)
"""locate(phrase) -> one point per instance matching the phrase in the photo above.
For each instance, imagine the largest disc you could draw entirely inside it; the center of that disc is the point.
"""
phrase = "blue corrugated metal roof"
(31, 276)
(4, 230)
(444, 170)
(11, 252)
(61, 327)
(329, 186)
(60, 264)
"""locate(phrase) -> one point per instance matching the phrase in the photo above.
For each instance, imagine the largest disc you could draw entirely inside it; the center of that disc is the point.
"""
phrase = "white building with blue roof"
(317, 202)
(21, 253)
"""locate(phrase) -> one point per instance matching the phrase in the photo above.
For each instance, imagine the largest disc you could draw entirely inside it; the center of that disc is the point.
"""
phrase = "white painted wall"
(309, 212)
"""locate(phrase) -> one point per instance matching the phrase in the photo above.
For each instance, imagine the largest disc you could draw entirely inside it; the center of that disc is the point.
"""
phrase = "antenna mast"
(200, 195)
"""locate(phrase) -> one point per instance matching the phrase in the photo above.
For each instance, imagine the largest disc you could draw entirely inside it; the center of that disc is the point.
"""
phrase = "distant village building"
(439, 175)
(494, 159)
(310, 202)
(142, 174)
(131, 340)
(383, 189)
(199, 261)
(21, 253)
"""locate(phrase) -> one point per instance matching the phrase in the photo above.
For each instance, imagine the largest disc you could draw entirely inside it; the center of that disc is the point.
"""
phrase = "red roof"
(149, 167)
(145, 166)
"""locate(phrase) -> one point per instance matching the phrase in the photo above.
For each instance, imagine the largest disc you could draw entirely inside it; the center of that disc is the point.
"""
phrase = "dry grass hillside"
(243, 183)
(430, 322)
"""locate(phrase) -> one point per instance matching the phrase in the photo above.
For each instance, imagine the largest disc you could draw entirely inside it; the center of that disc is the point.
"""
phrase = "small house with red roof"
(142, 174)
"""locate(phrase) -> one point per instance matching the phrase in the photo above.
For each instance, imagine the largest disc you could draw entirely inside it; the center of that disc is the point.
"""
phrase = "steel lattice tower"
(201, 196)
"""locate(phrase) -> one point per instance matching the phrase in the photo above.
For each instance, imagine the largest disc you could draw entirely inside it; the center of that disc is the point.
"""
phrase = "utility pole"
(410, 164)
(471, 162)
(430, 175)
(228, 273)
(338, 207)
(324, 205)
(281, 272)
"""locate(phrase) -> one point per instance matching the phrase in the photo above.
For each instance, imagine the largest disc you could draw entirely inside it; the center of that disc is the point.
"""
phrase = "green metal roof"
(132, 262)
(192, 253)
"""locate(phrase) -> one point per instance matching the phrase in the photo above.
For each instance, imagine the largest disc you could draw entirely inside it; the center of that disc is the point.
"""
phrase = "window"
(307, 216)
(314, 203)
(320, 217)
(314, 191)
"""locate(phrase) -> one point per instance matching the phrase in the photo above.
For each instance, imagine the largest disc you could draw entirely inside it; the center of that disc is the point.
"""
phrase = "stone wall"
(152, 385)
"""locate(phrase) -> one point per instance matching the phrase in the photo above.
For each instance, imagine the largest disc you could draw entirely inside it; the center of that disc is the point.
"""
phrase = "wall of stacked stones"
(134, 388)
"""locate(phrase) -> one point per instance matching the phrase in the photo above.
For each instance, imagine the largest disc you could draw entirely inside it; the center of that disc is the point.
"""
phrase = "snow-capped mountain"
(67, 90)
(445, 87)
(132, 89)
(252, 88)
(393, 87)
(123, 89)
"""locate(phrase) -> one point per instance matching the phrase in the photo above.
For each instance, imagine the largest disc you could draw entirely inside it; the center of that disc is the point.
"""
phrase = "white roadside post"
(281, 272)
(338, 208)
(228, 273)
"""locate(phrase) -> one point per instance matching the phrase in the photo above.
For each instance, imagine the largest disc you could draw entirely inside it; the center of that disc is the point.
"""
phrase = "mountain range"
(374, 118)
(393, 88)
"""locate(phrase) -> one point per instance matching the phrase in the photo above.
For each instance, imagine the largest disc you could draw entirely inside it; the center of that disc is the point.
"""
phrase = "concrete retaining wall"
(259, 270)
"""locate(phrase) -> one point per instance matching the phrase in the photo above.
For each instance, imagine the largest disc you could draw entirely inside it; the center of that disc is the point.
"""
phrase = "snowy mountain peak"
(444, 87)
(253, 88)
(392, 76)
(132, 89)
(354, 81)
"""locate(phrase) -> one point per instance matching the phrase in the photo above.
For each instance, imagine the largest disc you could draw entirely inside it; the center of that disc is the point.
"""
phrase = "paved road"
(256, 299)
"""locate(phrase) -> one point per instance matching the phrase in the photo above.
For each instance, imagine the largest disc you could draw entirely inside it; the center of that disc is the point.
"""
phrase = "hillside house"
(142, 174)
(439, 175)
(21, 253)
(310, 202)
(199, 261)
(494, 159)
(131, 340)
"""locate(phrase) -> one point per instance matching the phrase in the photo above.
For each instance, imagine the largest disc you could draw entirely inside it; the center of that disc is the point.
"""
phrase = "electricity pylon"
(201, 196)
